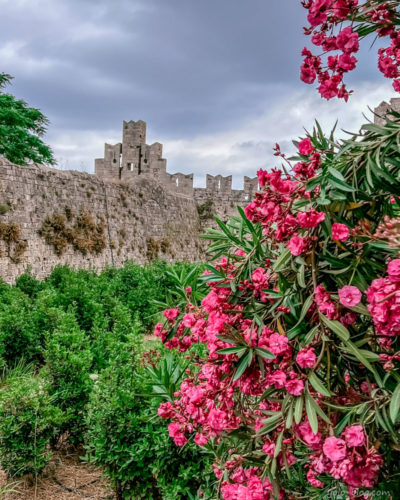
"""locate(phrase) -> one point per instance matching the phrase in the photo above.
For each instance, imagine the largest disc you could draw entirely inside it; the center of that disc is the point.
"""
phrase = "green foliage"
(82, 332)
(68, 360)
(28, 284)
(21, 129)
(133, 446)
(28, 422)
(20, 336)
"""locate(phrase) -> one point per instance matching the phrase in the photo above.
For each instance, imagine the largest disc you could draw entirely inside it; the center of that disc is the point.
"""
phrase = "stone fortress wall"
(131, 209)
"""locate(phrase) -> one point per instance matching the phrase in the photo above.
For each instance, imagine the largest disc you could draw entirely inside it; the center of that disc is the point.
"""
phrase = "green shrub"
(68, 362)
(19, 337)
(28, 284)
(133, 447)
(28, 422)
(111, 334)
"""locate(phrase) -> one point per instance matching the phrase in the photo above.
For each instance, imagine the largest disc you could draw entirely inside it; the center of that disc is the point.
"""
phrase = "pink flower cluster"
(384, 304)
(247, 484)
(272, 207)
(347, 458)
(326, 15)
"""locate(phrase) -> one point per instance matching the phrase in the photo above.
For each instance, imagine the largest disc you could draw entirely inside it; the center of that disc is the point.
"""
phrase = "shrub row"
(71, 350)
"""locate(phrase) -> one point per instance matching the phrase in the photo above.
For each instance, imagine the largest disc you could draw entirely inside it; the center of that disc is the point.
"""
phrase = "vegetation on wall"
(205, 210)
(155, 247)
(10, 234)
(81, 231)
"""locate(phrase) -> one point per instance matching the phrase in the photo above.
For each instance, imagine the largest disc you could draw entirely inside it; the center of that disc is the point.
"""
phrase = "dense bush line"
(75, 366)
(100, 304)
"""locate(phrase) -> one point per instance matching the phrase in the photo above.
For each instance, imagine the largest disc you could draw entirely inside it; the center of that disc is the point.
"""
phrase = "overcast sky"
(217, 81)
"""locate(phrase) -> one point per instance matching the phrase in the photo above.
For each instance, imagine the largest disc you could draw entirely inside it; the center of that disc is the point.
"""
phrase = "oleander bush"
(298, 393)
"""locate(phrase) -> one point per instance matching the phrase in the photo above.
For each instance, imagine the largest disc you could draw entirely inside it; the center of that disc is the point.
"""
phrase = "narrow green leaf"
(319, 411)
(304, 309)
(341, 331)
(311, 414)
(336, 173)
(359, 355)
(232, 350)
(282, 259)
(243, 364)
(289, 417)
(300, 277)
(278, 444)
(394, 407)
(264, 353)
(273, 468)
(271, 423)
(310, 335)
(318, 385)
(340, 185)
(342, 424)
(298, 409)
(379, 420)
(361, 309)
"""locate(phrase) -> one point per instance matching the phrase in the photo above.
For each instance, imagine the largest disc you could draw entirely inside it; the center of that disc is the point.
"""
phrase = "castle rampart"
(137, 222)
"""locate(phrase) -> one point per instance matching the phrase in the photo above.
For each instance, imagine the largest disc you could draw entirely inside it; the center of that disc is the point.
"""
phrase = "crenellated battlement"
(133, 159)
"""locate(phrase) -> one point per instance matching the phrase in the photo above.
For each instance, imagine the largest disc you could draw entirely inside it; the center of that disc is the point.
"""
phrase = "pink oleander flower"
(260, 278)
(297, 245)
(313, 481)
(171, 314)
(278, 344)
(354, 435)
(277, 378)
(295, 387)
(334, 448)
(347, 41)
(310, 219)
(200, 439)
(306, 358)
(349, 296)
(393, 270)
(176, 433)
(217, 420)
(324, 302)
(340, 232)
(306, 434)
(383, 296)
(305, 147)
(188, 320)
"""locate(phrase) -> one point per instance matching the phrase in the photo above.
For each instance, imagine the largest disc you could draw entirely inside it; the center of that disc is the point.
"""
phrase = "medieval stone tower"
(133, 157)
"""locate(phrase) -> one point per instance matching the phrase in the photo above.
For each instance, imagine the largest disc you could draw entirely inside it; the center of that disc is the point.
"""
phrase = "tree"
(21, 129)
